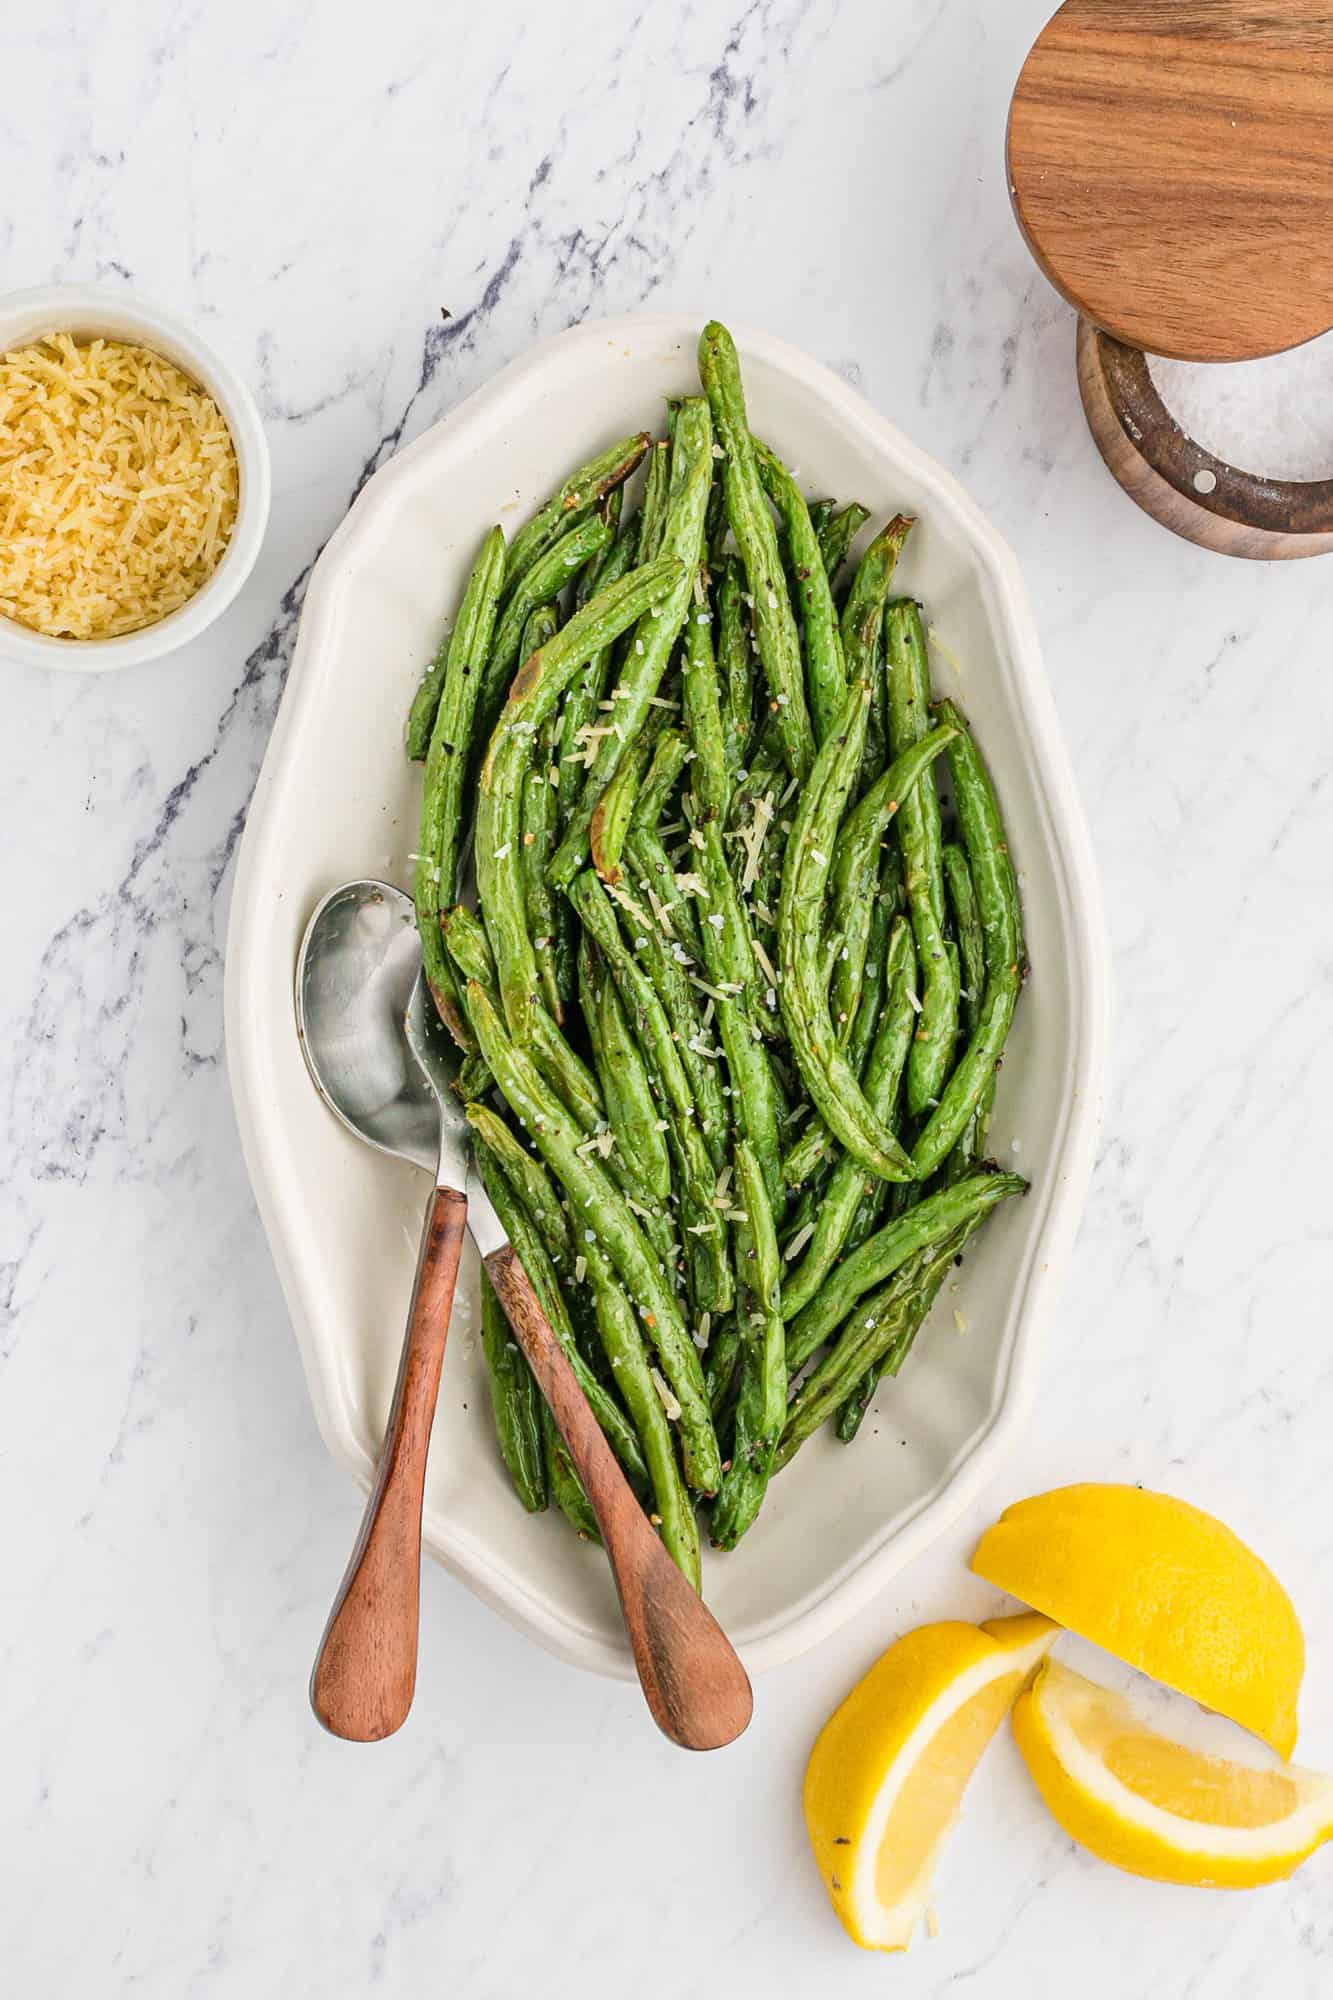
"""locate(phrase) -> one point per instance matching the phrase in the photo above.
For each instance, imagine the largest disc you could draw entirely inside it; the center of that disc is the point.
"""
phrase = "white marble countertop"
(312, 185)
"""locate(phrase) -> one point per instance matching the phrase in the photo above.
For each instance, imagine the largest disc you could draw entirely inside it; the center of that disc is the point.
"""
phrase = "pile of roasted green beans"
(734, 996)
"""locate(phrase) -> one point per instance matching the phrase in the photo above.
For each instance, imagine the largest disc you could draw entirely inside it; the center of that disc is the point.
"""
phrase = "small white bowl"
(85, 311)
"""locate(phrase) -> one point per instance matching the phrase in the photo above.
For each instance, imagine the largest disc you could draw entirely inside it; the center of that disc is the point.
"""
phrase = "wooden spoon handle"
(366, 1668)
(695, 1686)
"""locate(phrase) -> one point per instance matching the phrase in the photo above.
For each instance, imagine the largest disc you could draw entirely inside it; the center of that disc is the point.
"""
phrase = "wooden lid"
(1171, 166)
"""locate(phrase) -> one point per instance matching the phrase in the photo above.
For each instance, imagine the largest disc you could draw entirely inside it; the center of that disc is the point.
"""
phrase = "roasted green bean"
(836, 538)
(535, 693)
(997, 910)
(824, 1067)
(856, 863)
(704, 1225)
(921, 840)
(735, 663)
(826, 671)
(933, 1217)
(635, 1124)
(435, 882)
(578, 496)
(516, 1403)
(751, 523)
(542, 584)
(761, 1406)
(884, 1068)
(657, 629)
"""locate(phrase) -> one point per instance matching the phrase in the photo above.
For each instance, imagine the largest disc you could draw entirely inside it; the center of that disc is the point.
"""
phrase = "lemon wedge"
(1152, 1807)
(886, 1776)
(1164, 1587)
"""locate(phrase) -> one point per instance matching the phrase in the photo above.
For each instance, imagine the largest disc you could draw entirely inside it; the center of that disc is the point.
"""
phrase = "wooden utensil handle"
(695, 1686)
(366, 1668)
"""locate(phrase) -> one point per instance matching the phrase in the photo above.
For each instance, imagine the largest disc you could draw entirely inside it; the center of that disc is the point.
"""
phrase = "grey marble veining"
(372, 210)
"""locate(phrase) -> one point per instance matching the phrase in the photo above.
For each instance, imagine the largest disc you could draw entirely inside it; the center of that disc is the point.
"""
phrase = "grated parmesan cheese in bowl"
(133, 480)
(118, 487)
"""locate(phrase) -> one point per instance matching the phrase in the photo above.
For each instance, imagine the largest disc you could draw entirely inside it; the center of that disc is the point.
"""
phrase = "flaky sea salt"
(1273, 416)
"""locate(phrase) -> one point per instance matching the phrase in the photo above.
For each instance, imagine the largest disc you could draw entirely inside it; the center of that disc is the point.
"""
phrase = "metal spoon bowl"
(359, 961)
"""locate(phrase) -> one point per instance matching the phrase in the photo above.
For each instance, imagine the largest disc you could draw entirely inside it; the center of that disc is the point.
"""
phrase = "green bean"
(536, 691)
(830, 952)
(761, 1406)
(909, 1322)
(735, 663)
(516, 1403)
(593, 576)
(824, 1068)
(709, 1262)
(581, 492)
(624, 1077)
(715, 524)
(570, 1078)
(654, 943)
(967, 929)
(970, 1144)
(601, 1206)
(872, 940)
(670, 755)
(542, 584)
(529, 1180)
(857, 860)
(580, 710)
(531, 1252)
(566, 1490)
(934, 1216)
(887, 1322)
(612, 814)
(752, 525)
(653, 507)
(837, 537)
(729, 957)
(710, 779)
(864, 609)
(921, 840)
(884, 1069)
(997, 911)
(473, 1081)
(436, 879)
(801, 1215)
(800, 1160)
(765, 766)
(426, 702)
(656, 632)
(826, 671)
(537, 818)
(862, 620)
(821, 513)
(633, 1375)
(877, 728)
(720, 1358)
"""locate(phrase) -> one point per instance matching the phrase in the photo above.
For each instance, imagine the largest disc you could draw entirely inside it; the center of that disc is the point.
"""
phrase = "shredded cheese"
(118, 487)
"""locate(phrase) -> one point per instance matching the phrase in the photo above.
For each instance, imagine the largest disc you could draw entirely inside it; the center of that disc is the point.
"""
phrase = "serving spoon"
(384, 1064)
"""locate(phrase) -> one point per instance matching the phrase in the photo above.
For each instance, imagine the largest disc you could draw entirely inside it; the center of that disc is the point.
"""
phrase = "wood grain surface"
(366, 1669)
(694, 1684)
(1171, 166)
